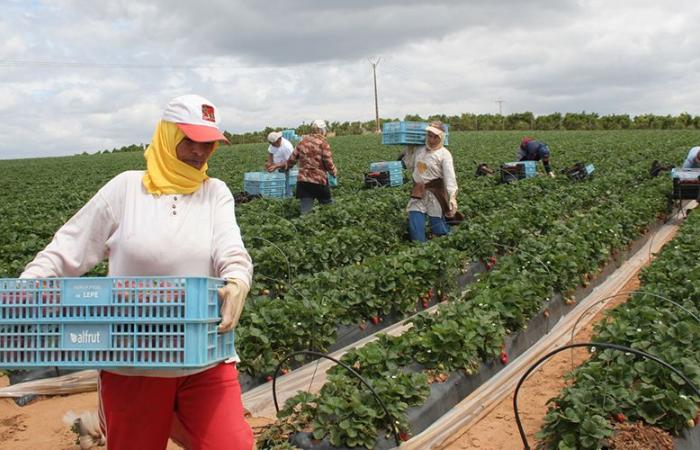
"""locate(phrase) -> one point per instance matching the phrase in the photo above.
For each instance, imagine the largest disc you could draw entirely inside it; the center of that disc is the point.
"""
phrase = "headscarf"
(437, 129)
(165, 174)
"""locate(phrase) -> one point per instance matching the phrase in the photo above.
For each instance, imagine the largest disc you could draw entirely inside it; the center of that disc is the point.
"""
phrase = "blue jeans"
(416, 226)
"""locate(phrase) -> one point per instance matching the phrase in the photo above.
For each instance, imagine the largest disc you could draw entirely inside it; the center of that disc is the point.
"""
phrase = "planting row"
(613, 388)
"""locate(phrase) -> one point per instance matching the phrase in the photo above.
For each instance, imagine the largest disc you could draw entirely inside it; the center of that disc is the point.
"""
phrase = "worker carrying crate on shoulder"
(171, 219)
(692, 161)
(532, 150)
(434, 190)
(278, 152)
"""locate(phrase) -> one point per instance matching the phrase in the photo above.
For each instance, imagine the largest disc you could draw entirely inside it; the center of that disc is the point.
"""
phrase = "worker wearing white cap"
(692, 161)
(316, 164)
(171, 220)
(278, 152)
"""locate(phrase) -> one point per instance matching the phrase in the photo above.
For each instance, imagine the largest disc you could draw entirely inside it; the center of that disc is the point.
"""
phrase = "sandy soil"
(497, 430)
(39, 425)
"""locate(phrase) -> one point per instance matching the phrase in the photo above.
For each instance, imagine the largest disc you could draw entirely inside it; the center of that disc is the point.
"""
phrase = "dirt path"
(39, 425)
(497, 430)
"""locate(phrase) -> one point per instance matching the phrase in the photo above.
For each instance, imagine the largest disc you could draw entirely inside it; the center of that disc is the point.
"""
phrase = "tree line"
(487, 122)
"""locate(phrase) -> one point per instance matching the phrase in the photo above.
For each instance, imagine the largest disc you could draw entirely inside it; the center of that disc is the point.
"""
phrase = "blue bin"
(142, 322)
(267, 184)
(407, 133)
(395, 169)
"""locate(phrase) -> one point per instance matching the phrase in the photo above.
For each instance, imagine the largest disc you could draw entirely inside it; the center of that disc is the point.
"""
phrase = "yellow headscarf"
(165, 173)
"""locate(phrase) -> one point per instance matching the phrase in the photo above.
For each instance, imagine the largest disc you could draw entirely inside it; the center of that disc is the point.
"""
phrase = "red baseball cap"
(196, 116)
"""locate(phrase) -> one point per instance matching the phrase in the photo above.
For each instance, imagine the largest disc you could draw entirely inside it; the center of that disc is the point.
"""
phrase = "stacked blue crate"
(290, 135)
(395, 169)
(267, 184)
(149, 322)
(407, 133)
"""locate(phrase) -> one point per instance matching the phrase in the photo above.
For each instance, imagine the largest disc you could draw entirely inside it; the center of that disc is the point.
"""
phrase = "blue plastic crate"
(145, 322)
(407, 133)
(290, 135)
(267, 184)
(530, 167)
(395, 169)
(381, 166)
(685, 174)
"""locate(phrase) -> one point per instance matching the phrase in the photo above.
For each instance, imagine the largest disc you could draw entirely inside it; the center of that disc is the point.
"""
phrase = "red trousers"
(202, 411)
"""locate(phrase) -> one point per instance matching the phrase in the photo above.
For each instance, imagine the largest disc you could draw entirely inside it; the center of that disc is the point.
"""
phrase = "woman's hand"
(232, 297)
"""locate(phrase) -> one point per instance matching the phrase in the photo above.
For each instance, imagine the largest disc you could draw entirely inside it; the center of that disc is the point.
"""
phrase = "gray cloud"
(78, 75)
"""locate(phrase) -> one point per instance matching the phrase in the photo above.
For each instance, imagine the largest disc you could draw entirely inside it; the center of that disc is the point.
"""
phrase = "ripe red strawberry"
(492, 260)
(284, 371)
(375, 319)
(696, 420)
(426, 304)
(620, 418)
(268, 378)
(489, 266)
(404, 436)
(504, 357)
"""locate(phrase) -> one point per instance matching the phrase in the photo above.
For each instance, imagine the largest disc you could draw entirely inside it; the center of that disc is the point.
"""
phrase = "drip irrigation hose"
(267, 241)
(346, 367)
(604, 345)
(630, 293)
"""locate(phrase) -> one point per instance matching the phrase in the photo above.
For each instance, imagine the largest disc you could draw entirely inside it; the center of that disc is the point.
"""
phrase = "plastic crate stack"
(290, 135)
(267, 184)
(395, 169)
(149, 322)
(407, 133)
(686, 183)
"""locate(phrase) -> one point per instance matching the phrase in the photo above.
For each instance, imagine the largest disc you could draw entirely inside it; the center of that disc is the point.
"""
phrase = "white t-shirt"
(282, 153)
(149, 235)
(427, 166)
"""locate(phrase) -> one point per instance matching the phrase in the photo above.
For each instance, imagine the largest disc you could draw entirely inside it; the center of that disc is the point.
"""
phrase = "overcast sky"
(87, 75)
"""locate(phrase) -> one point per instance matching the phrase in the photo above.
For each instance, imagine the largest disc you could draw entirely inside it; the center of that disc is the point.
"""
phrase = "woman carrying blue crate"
(434, 192)
(532, 150)
(315, 160)
(169, 220)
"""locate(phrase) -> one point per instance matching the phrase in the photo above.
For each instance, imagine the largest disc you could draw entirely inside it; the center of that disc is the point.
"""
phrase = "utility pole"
(375, 63)
(500, 110)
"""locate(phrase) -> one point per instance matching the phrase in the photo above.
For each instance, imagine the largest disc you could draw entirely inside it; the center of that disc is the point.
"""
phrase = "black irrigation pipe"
(605, 345)
(346, 367)
(631, 294)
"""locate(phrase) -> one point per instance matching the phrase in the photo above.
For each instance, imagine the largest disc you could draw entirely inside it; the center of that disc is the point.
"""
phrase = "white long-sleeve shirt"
(428, 165)
(149, 235)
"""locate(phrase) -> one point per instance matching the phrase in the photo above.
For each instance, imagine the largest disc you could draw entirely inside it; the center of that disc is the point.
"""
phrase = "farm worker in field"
(532, 150)
(169, 220)
(434, 190)
(315, 162)
(692, 161)
(279, 151)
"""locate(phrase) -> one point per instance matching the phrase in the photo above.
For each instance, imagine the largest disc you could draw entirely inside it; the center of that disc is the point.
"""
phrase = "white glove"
(232, 297)
(453, 205)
